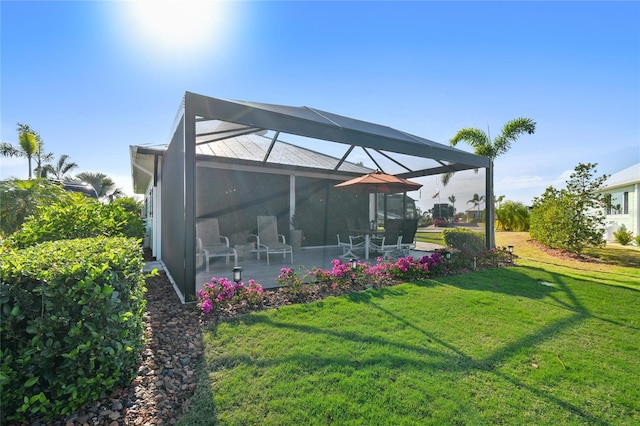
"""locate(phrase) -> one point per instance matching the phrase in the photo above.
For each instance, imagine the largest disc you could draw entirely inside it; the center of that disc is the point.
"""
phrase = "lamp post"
(447, 255)
(510, 249)
(237, 274)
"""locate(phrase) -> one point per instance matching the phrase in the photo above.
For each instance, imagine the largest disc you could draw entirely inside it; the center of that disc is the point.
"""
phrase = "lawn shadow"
(525, 282)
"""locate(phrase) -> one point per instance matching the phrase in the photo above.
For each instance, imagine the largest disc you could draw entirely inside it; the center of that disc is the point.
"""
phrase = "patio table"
(367, 238)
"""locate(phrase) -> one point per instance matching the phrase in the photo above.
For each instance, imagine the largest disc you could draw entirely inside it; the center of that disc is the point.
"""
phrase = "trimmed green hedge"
(467, 241)
(71, 326)
(77, 216)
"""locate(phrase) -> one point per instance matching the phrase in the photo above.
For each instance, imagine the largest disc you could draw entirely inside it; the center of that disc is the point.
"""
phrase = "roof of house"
(251, 147)
(628, 176)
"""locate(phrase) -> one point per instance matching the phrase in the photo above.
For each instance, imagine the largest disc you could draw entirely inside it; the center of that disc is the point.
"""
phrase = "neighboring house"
(235, 160)
(474, 215)
(622, 196)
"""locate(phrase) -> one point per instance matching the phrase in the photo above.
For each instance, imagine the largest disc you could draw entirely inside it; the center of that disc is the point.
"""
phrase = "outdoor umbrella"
(379, 183)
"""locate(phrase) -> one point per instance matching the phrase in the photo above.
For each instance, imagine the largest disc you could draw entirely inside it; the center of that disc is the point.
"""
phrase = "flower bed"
(223, 298)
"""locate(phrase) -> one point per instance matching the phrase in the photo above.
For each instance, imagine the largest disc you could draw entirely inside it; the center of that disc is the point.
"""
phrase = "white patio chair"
(269, 241)
(209, 242)
(349, 249)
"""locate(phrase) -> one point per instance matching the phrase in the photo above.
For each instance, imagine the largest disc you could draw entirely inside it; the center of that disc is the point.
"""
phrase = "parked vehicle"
(440, 221)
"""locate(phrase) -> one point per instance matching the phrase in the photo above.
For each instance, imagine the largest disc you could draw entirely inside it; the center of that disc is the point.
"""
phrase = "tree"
(28, 143)
(483, 145)
(452, 200)
(571, 218)
(512, 216)
(61, 167)
(499, 199)
(105, 187)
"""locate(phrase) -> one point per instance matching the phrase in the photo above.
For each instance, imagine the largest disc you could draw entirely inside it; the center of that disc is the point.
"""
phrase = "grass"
(550, 341)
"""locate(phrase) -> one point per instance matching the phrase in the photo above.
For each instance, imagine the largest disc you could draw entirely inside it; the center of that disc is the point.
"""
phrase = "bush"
(20, 199)
(571, 218)
(512, 216)
(77, 216)
(467, 241)
(71, 324)
(623, 236)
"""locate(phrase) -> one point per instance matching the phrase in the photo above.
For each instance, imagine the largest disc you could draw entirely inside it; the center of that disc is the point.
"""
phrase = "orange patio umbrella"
(379, 183)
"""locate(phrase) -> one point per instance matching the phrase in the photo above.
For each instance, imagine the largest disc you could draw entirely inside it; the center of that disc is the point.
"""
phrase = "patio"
(237, 160)
(266, 275)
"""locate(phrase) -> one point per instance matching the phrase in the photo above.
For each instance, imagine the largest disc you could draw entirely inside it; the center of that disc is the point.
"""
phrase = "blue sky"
(96, 77)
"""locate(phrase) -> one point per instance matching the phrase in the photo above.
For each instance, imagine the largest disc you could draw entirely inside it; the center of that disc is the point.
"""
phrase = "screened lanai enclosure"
(236, 160)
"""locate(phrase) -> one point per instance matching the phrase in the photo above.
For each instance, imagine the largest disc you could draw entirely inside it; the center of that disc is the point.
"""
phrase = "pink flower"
(206, 306)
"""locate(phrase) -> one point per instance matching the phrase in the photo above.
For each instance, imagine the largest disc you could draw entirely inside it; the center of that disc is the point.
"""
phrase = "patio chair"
(390, 243)
(349, 249)
(209, 242)
(269, 241)
(409, 229)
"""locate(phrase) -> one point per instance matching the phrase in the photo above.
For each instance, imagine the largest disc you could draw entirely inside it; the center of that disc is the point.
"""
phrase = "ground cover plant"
(551, 341)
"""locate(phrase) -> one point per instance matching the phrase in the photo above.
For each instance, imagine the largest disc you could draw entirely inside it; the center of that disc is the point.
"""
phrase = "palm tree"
(103, 184)
(61, 168)
(476, 201)
(452, 199)
(499, 199)
(482, 144)
(28, 143)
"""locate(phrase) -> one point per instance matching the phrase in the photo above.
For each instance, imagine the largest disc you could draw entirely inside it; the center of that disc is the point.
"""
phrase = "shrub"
(571, 218)
(623, 236)
(512, 216)
(20, 199)
(467, 241)
(77, 216)
(220, 293)
(72, 323)
(637, 240)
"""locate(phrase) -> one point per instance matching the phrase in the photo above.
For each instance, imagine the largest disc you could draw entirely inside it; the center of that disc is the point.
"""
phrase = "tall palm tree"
(483, 145)
(61, 167)
(105, 187)
(28, 143)
(452, 199)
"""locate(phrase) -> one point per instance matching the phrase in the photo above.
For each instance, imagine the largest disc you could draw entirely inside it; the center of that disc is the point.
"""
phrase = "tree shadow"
(523, 282)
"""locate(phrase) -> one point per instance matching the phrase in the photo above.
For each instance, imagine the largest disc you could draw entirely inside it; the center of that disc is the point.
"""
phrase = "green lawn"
(546, 342)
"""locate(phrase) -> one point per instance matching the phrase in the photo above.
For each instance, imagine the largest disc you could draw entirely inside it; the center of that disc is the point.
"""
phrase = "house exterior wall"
(624, 210)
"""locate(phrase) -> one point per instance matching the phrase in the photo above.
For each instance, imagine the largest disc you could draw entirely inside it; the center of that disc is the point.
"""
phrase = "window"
(617, 203)
(625, 203)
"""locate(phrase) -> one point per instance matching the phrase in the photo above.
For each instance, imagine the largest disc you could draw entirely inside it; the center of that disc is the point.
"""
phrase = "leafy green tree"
(60, 169)
(512, 216)
(22, 198)
(105, 186)
(571, 218)
(28, 144)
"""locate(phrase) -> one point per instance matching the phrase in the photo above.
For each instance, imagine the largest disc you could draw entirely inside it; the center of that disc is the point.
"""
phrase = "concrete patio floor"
(266, 275)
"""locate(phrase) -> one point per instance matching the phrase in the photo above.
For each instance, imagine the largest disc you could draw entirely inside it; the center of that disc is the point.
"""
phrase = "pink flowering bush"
(220, 292)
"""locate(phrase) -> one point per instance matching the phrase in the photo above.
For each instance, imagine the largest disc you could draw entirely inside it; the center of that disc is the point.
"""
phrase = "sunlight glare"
(182, 28)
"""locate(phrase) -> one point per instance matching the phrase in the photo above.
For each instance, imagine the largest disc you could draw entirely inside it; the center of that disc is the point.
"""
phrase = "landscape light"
(237, 274)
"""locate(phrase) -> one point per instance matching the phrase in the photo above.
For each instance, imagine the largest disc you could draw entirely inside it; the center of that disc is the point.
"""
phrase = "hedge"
(467, 241)
(71, 327)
